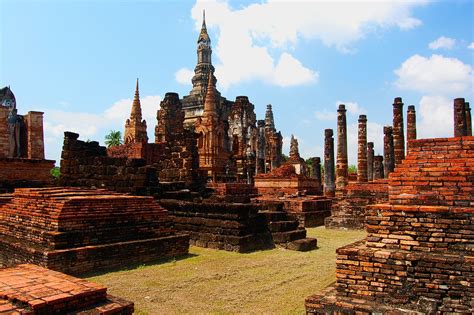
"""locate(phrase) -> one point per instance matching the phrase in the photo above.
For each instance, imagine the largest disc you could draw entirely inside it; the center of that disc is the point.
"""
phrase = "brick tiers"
(416, 257)
(309, 210)
(288, 185)
(29, 289)
(232, 227)
(79, 230)
(348, 212)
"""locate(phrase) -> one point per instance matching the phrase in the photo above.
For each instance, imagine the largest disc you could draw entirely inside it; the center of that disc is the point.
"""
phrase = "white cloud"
(442, 43)
(471, 45)
(289, 71)
(435, 117)
(253, 41)
(94, 126)
(325, 115)
(184, 76)
(352, 107)
(436, 74)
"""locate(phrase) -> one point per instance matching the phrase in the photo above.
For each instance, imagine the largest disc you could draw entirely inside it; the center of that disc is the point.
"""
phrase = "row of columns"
(369, 166)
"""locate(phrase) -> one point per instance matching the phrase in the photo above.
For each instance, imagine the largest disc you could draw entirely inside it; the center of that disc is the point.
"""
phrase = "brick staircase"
(418, 254)
(29, 289)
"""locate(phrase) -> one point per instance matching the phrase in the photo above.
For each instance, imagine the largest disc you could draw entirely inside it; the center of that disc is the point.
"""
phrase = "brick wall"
(437, 172)
(4, 146)
(16, 172)
(34, 130)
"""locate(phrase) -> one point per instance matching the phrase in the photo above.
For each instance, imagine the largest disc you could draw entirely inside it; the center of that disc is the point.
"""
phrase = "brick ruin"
(237, 227)
(22, 161)
(417, 257)
(76, 231)
(29, 289)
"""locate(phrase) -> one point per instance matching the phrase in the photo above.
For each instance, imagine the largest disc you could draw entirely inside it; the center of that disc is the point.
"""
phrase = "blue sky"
(78, 61)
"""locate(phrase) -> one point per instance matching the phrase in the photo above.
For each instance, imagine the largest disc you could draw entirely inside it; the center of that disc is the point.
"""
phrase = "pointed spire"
(203, 18)
(136, 106)
(210, 100)
(203, 36)
(269, 122)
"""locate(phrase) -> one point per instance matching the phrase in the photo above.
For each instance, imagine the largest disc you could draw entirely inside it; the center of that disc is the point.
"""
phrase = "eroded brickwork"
(362, 150)
(79, 230)
(411, 125)
(29, 289)
(418, 254)
(398, 131)
(342, 174)
(329, 172)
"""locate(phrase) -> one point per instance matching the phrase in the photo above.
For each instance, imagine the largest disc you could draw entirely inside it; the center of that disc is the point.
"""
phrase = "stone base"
(20, 172)
(344, 223)
(29, 289)
(80, 260)
(328, 302)
(287, 185)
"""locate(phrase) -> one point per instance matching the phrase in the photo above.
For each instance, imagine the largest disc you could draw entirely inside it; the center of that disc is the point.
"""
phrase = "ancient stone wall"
(86, 164)
(17, 172)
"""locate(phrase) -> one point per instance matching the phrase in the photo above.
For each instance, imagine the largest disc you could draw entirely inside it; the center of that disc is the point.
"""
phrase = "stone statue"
(294, 152)
(14, 126)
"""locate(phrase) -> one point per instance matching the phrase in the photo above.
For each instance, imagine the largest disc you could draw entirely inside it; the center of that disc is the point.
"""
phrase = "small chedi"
(76, 230)
(295, 189)
(22, 161)
(30, 289)
(418, 254)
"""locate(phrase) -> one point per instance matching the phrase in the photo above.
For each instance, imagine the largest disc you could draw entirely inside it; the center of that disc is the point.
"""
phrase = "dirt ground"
(211, 281)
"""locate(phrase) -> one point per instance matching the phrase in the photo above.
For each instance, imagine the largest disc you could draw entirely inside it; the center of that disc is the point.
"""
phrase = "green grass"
(220, 282)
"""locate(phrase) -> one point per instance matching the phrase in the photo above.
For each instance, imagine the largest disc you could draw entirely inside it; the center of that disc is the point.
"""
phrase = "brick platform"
(30, 289)
(80, 230)
(348, 211)
(289, 185)
(232, 227)
(417, 257)
(22, 172)
(309, 210)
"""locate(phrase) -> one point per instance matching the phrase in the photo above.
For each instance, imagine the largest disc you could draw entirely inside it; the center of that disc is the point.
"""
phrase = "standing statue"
(14, 127)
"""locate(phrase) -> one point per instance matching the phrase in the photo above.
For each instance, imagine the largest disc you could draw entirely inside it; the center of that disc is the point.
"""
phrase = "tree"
(55, 172)
(352, 169)
(113, 138)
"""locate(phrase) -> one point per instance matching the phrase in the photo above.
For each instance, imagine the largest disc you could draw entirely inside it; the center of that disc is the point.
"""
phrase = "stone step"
(289, 236)
(272, 216)
(282, 226)
(302, 245)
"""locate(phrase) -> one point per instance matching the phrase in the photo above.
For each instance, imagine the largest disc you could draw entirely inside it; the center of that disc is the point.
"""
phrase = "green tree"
(113, 138)
(352, 169)
(55, 172)
(284, 158)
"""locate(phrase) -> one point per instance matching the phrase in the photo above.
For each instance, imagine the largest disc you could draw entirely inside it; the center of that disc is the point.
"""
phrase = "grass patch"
(212, 281)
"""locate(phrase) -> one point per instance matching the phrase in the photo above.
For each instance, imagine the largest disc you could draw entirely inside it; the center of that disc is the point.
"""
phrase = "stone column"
(362, 150)
(316, 170)
(329, 184)
(468, 119)
(370, 161)
(388, 151)
(459, 117)
(342, 177)
(398, 130)
(411, 125)
(378, 167)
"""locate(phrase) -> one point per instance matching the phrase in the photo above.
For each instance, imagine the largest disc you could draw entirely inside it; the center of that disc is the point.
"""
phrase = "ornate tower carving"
(135, 127)
(213, 154)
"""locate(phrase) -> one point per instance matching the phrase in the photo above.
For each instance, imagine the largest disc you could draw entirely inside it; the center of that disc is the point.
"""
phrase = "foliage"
(55, 172)
(284, 158)
(352, 169)
(113, 138)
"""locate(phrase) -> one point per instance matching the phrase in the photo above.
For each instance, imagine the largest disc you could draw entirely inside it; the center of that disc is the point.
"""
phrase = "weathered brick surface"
(348, 212)
(289, 185)
(19, 172)
(30, 289)
(78, 230)
(418, 254)
(437, 172)
(232, 227)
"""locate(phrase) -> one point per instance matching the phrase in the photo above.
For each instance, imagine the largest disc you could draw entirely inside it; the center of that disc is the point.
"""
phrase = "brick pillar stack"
(4, 142)
(370, 161)
(316, 170)
(342, 176)
(362, 150)
(388, 151)
(460, 126)
(398, 131)
(34, 122)
(329, 184)
(411, 125)
(468, 119)
(378, 167)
